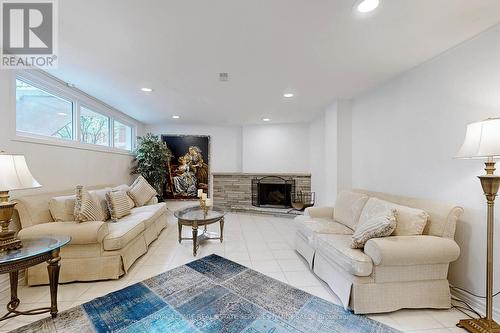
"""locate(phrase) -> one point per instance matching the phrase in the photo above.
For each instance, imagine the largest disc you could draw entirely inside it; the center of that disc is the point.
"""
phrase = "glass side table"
(195, 217)
(33, 252)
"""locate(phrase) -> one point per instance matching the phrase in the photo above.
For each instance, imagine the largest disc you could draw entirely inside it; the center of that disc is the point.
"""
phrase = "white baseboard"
(478, 304)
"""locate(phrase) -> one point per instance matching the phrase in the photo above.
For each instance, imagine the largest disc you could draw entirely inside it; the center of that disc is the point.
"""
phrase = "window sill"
(23, 137)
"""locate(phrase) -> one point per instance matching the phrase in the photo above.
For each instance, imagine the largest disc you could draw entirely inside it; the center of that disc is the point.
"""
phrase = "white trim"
(45, 140)
(58, 88)
(476, 303)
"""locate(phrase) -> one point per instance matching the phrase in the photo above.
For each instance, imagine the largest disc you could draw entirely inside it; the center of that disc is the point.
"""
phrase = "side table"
(33, 252)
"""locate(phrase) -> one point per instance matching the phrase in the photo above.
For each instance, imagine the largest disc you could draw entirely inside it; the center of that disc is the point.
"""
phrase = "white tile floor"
(256, 241)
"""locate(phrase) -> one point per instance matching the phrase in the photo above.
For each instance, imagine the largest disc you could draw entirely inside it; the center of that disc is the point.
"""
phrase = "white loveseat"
(390, 273)
(98, 250)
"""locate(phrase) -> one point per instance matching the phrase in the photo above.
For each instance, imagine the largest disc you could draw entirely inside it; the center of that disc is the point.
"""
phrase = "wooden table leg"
(195, 238)
(53, 269)
(14, 301)
(221, 222)
(179, 226)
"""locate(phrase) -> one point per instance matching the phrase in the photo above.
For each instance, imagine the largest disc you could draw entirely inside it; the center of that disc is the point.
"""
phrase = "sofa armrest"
(83, 233)
(319, 212)
(411, 250)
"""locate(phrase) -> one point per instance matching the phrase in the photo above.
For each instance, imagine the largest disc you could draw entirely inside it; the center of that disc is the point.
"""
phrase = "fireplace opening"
(273, 192)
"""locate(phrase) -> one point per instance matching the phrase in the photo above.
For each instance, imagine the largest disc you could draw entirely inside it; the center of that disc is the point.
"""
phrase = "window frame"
(50, 92)
(110, 120)
(60, 89)
(112, 130)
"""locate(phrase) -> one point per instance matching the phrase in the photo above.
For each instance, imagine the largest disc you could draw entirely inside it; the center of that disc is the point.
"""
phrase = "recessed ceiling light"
(176, 117)
(366, 6)
(147, 89)
(62, 114)
(288, 95)
(266, 119)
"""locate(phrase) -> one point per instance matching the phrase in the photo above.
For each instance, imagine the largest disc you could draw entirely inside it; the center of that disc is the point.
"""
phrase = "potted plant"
(151, 157)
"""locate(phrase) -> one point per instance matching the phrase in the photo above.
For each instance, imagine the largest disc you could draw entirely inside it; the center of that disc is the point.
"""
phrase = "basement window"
(50, 112)
(41, 113)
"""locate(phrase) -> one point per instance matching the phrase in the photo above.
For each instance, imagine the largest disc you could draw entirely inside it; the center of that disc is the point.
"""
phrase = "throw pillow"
(376, 220)
(410, 221)
(118, 204)
(99, 196)
(86, 208)
(141, 192)
(125, 188)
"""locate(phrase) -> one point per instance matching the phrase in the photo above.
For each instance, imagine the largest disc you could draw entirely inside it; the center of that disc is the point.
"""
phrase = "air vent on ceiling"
(223, 77)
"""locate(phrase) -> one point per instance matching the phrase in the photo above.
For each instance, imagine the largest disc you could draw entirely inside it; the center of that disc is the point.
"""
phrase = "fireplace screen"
(273, 192)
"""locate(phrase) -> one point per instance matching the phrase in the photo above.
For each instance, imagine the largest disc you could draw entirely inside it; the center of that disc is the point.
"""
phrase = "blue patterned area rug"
(211, 294)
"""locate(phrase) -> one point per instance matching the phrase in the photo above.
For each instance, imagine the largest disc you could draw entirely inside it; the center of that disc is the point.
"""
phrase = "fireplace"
(272, 191)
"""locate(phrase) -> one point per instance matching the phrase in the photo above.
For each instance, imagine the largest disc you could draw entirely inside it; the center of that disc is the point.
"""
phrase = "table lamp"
(14, 175)
(482, 140)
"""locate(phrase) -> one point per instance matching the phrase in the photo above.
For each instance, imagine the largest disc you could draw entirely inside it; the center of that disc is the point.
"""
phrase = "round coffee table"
(33, 252)
(195, 217)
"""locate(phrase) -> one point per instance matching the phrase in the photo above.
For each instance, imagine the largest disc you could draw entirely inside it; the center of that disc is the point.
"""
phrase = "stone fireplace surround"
(233, 190)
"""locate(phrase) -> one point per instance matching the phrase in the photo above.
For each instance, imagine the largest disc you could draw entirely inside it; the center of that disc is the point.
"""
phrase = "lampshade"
(14, 173)
(482, 140)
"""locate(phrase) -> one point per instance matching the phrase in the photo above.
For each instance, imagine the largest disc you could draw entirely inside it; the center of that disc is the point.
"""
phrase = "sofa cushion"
(338, 249)
(62, 208)
(309, 227)
(348, 208)
(91, 232)
(149, 214)
(141, 191)
(376, 220)
(123, 232)
(86, 207)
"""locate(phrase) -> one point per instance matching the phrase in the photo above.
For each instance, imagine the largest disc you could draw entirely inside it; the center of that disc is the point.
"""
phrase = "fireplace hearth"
(272, 192)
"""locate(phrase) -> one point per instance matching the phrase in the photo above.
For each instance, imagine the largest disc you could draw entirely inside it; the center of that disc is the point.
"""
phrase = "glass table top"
(33, 247)
(197, 214)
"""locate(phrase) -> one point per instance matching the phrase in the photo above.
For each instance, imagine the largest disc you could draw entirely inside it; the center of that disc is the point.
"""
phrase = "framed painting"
(188, 170)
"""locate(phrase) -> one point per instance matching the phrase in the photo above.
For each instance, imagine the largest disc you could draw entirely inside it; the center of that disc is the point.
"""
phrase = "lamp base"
(10, 244)
(481, 325)
(8, 240)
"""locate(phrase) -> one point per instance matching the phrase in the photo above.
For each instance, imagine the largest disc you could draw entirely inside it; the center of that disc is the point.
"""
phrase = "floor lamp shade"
(15, 174)
(482, 140)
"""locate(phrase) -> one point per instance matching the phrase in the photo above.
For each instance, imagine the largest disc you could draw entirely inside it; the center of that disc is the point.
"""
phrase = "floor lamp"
(482, 140)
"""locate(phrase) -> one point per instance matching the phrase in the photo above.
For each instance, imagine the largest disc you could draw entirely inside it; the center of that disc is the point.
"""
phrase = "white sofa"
(390, 273)
(98, 250)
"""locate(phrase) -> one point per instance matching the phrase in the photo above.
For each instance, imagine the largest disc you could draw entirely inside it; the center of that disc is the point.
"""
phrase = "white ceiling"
(319, 49)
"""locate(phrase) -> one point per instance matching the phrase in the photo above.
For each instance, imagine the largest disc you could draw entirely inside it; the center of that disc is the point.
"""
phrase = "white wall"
(56, 167)
(276, 148)
(317, 165)
(406, 132)
(225, 143)
(330, 152)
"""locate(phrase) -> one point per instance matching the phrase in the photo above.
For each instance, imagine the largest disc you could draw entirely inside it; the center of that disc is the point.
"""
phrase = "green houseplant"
(151, 157)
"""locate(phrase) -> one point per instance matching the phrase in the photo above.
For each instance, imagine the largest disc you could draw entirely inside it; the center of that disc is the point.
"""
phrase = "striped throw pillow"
(118, 204)
(141, 192)
(86, 208)
(100, 197)
(125, 188)
(377, 220)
